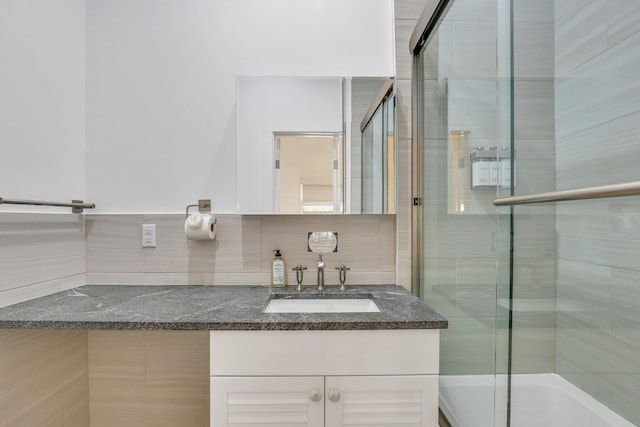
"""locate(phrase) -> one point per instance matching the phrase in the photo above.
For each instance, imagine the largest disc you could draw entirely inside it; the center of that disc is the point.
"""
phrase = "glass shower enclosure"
(514, 98)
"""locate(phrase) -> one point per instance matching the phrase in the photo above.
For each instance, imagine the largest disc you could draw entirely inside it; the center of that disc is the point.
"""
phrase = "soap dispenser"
(278, 275)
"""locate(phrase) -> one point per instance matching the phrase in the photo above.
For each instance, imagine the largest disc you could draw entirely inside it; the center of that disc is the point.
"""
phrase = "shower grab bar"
(603, 191)
(77, 206)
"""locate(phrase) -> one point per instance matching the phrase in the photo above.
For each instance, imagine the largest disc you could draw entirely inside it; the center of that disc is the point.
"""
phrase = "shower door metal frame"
(422, 33)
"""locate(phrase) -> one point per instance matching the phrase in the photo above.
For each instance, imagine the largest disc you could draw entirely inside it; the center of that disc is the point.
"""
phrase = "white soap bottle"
(278, 272)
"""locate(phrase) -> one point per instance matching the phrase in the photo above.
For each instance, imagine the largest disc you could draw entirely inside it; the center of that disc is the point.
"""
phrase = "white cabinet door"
(267, 401)
(399, 401)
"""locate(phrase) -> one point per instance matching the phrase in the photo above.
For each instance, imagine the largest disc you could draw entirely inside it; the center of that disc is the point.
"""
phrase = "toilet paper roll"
(199, 226)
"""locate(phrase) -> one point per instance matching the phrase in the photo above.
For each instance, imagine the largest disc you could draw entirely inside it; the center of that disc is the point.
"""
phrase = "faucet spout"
(321, 266)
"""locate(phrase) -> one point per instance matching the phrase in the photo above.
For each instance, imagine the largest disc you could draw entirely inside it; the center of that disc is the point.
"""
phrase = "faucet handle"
(343, 275)
(299, 275)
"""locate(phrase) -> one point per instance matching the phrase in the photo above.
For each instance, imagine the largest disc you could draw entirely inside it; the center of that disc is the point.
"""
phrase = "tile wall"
(44, 378)
(148, 378)
(240, 254)
(407, 13)
(534, 264)
(597, 101)
(40, 254)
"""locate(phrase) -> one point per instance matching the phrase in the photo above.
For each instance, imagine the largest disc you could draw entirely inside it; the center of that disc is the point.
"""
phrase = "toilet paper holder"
(204, 206)
(200, 225)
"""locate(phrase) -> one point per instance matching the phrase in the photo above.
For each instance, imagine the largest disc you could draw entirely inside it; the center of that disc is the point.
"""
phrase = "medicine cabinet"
(315, 145)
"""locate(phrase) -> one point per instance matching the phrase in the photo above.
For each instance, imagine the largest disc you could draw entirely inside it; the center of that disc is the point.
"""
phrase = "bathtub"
(537, 400)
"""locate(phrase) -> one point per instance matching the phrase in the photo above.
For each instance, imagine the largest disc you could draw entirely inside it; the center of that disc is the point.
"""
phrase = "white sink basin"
(322, 305)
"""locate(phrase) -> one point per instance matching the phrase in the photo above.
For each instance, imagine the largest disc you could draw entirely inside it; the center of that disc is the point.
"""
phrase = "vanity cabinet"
(324, 378)
(323, 401)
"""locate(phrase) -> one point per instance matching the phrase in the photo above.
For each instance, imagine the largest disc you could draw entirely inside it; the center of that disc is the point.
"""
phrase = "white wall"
(42, 105)
(42, 56)
(161, 76)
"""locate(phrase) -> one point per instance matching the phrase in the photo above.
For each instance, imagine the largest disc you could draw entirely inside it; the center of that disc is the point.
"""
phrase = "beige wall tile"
(614, 252)
(571, 51)
(242, 250)
(597, 325)
(241, 278)
(139, 378)
(626, 299)
(235, 248)
(408, 9)
(474, 50)
(536, 167)
(533, 50)
(172, 252)
(617, 391)
(624, 150)
(43, 376)
(404, 29)
(358, 240)
(540, 11)
(144, 279)
(36, 290)
(239, 244)
(387, 243)
(114, 243)
(467, 347)
(176, 359)
(473, 10)
(116, 358)
(533, 349)
(403, 111)
(534, 109)
(36, 248)
(622, 19)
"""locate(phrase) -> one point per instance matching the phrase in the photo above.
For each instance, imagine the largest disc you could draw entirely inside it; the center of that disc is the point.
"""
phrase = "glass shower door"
(464, 147)
(576, 329)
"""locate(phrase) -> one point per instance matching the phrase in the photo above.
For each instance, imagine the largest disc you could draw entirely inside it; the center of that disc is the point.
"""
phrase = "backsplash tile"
(39, 254)
(114, 243)
(241, 252)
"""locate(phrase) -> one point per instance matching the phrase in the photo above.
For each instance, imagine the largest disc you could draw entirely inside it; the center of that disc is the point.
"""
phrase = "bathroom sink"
(322, 305)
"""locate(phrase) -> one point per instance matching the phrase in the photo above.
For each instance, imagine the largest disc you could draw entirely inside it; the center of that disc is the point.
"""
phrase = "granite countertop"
(111, 307)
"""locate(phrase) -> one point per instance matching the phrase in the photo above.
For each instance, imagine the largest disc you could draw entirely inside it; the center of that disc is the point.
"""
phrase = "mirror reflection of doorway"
(308, 173)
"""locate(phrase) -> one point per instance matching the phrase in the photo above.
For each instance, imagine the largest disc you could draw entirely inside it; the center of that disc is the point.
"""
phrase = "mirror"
(303, 147)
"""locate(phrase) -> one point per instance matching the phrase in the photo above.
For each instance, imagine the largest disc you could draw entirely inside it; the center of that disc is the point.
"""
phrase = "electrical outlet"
(148, 235)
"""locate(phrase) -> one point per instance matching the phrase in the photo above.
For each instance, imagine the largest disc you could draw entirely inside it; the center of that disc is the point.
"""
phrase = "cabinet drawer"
(351, 352)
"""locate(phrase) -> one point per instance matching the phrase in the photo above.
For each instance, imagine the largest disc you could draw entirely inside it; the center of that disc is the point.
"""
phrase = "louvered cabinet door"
(398, 401)
(267, 401)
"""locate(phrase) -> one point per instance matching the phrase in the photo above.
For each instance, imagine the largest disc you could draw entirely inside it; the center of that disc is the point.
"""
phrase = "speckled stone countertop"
(211, 308)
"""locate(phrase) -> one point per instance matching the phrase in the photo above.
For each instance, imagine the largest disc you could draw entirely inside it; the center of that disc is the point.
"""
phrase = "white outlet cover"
(148, 235)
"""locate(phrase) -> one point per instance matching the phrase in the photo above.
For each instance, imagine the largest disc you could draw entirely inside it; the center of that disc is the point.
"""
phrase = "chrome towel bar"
(600, 192)
(77, 206)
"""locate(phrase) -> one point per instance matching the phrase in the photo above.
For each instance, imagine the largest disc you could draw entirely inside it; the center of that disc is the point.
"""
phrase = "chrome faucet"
(299, 269)
(342, 275)
(321, 266)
